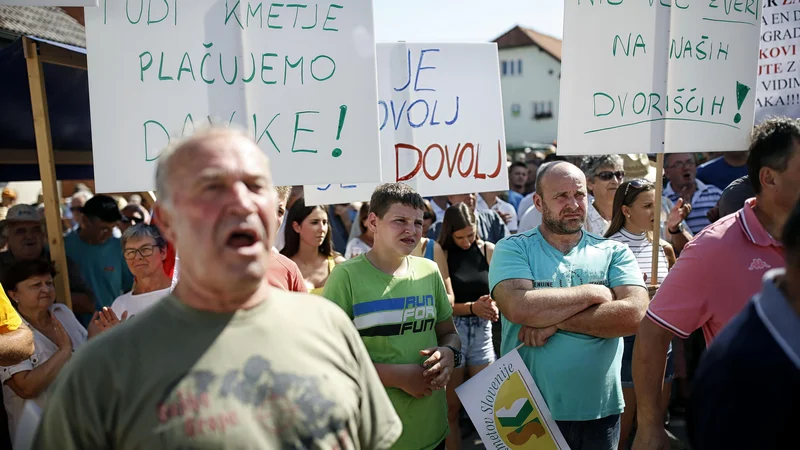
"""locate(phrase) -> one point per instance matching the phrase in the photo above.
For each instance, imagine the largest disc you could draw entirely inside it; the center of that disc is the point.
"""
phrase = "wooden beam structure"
(657, 217)
(51, 54)
(47, 168)
(62, 157)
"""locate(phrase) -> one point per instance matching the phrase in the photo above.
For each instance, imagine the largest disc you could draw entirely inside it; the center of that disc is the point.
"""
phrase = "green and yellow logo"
(518, 422)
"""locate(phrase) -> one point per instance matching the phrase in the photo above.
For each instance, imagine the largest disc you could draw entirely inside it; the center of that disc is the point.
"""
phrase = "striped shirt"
(642, 248)
(705, 197)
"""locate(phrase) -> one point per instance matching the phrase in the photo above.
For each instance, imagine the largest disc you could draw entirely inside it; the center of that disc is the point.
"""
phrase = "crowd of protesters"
(231, 314)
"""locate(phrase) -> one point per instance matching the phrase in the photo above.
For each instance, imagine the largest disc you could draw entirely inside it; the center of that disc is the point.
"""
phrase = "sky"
(463, 20)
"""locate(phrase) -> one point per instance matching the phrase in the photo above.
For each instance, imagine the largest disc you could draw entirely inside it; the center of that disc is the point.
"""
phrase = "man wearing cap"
(26, 243)
(98, 253)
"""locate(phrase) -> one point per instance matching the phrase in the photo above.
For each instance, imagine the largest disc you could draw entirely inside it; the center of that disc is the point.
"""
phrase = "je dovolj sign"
(441, 126)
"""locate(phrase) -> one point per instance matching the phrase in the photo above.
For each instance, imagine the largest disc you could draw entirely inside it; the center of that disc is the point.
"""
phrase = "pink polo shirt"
(716, 274)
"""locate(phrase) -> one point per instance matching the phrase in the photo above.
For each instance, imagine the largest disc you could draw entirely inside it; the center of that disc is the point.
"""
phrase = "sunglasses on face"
(608, 176)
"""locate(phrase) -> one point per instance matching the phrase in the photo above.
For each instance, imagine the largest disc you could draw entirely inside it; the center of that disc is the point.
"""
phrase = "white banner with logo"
(507, 408)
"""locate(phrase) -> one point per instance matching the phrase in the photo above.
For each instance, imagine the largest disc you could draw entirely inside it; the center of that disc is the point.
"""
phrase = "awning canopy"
(68, 104)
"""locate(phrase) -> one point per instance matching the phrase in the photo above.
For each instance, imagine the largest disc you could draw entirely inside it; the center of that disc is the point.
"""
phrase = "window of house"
(516, 109)
(511, 67)
(519, 67)
(504, 68)
(542, 110)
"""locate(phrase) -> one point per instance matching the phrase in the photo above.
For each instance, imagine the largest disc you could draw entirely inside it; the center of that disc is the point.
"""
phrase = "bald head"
(554, 169)
(202, 144)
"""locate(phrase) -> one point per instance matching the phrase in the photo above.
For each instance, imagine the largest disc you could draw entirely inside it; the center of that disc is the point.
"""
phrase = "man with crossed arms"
(570, 296)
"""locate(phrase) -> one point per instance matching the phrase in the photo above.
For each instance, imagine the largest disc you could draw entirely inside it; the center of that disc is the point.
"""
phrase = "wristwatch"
(456, 355)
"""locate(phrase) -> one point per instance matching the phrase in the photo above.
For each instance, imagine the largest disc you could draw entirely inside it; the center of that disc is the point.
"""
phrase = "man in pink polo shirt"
(718, 271)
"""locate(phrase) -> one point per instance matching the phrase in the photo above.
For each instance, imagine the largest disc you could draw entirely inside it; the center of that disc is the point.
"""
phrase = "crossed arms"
(590, 309)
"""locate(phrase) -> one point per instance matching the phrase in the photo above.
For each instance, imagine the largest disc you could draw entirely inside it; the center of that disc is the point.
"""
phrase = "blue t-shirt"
(578, 375)
(103, 268)
(514, 198)
(719, 173)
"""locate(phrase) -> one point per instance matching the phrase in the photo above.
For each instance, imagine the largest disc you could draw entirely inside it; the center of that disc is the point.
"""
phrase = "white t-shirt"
(356, 247)
(136, 304)
(500, 206)
(524, 205)
(642, 248)
(44, 348)
(531, 219)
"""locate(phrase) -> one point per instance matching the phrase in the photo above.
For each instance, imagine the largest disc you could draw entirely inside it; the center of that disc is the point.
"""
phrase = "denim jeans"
(600, 434)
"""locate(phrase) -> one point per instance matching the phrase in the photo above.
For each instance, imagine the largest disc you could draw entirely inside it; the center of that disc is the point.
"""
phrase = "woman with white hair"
(145, 251)
(604, 174)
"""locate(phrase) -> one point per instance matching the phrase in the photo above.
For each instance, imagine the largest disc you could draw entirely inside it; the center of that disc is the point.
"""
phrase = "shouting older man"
(228, 361)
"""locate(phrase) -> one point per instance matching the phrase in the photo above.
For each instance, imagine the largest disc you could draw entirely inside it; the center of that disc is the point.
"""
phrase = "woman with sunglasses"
(604, 173)
(632, 224)
(145, 251)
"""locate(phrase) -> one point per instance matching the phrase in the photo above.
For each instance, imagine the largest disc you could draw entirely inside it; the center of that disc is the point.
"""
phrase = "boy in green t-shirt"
(400, 307)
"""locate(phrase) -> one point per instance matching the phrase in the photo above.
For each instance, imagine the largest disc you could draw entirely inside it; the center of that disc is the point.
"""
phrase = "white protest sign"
(778, 90)
(441, 120)
(507, 408)
(50, 2)
(299, 77)
(658, 76)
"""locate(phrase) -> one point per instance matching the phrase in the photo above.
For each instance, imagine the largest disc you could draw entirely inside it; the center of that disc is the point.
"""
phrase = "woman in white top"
(56, 333)
(632, 224)
(144, 250)
(604, 173)
(363, 242)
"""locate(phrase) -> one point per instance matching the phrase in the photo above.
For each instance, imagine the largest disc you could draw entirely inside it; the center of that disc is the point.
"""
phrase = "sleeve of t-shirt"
(624, 269)
(9, 319)
(74, 418)
(680, 305)
(509, 262)
(296, 283)
(379, 426)
(443, 309)
(338, 290)
(9, 371)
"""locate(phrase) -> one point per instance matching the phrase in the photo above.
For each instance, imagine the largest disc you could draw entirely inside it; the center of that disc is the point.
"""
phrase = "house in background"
(530, 75)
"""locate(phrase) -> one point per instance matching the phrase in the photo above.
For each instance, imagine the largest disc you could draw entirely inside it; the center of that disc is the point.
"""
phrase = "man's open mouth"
(240, 238)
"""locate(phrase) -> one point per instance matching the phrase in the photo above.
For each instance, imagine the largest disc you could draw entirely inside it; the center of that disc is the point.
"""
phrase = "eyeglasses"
(145, 251)
(608, 176)
(683, 164)
(637, 184)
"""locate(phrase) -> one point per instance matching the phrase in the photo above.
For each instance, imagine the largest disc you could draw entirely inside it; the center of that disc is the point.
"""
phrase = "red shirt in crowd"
(283, 273)
(717, 274)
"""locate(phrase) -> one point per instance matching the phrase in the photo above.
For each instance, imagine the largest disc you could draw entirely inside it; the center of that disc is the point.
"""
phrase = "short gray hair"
(85, 195)
(164, 167)
(141, 230)
(591, 164)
